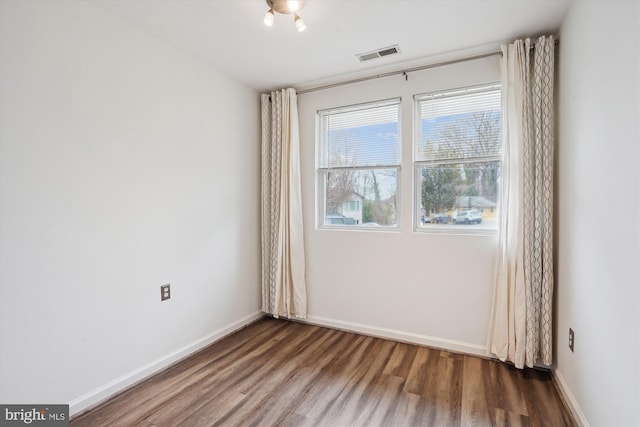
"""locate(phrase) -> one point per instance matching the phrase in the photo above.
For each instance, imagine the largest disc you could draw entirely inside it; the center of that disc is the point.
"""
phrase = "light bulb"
(293, 5)
(268, 18)
(300, 24)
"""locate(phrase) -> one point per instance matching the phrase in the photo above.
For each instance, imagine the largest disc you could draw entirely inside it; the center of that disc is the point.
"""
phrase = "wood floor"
(280, 373)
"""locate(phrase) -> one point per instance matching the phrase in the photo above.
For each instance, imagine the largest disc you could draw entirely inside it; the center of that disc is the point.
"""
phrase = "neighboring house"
(487, 207)
(353, 207)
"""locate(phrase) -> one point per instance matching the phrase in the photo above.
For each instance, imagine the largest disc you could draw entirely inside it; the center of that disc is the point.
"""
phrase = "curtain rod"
(399, 72)
(404, 72)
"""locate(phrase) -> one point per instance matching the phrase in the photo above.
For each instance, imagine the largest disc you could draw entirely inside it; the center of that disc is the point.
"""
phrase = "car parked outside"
(339, 220)
(468, 217)
(441, 218)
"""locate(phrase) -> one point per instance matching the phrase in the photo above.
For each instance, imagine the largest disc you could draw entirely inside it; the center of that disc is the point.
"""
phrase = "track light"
(269, 18)
(285, 7)
(299, 24)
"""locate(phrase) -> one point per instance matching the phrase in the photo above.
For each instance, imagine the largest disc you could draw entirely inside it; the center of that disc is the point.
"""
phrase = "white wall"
(598, 210)
(425, 288)
(125, 165)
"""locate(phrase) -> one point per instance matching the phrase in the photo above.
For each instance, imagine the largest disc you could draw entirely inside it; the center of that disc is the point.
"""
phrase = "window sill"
(457, 230)
(377, 229)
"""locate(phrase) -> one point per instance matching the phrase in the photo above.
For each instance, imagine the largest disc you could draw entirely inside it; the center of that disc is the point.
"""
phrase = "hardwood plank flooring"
(281, 373)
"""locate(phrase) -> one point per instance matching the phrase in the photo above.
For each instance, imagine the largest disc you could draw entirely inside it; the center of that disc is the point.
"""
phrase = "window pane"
(461, 124)
(358, 164)
(361, 197)
(456, 195)
(367, 136)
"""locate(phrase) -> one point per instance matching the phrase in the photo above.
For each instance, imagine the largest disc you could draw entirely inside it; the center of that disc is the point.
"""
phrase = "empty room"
(320, 212)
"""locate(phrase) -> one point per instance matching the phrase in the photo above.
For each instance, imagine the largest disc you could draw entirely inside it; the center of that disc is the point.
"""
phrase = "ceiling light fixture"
(285, 7)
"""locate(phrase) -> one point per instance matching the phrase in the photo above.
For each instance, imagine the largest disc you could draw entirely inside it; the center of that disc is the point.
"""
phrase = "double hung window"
(457, 151)
(358, 165)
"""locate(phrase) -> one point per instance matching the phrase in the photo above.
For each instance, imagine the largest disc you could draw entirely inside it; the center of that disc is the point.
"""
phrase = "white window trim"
(448, 229)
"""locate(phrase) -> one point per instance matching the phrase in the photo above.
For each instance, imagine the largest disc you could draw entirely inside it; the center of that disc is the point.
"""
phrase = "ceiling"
(230, 36)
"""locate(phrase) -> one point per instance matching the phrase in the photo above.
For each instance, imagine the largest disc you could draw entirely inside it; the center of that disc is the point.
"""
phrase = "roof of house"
(475, 201)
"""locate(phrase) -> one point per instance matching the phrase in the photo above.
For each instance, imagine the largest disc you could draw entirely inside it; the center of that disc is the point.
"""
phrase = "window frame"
(321, 172)
(419, 164)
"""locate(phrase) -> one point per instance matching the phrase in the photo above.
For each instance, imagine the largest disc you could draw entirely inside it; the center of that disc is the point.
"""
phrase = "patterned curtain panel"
(283, 263)
(521, 319)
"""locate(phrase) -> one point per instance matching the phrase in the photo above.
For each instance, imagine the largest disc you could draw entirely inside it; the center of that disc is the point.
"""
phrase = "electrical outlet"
(571, 339)
(165, 292)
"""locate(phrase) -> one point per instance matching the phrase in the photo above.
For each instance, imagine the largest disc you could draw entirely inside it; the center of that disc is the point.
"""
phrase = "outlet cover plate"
(165, 292)
(571, 339)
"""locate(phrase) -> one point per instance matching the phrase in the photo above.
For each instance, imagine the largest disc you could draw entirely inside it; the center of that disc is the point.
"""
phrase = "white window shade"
(353, 137)
(462, 124)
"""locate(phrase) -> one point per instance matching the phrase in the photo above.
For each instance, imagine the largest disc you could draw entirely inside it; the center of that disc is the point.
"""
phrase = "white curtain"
(521, 328)
(283, 263)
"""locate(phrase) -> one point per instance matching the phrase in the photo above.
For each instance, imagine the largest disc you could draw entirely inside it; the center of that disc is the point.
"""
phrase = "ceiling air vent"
(379, 53)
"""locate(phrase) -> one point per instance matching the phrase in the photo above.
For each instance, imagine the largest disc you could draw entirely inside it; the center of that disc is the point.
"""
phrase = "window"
(358, 165)
(457, 149)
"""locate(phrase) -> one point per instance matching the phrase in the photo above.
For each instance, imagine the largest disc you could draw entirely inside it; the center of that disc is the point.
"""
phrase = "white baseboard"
(570, 399)
(408, 337)
(108, 390)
